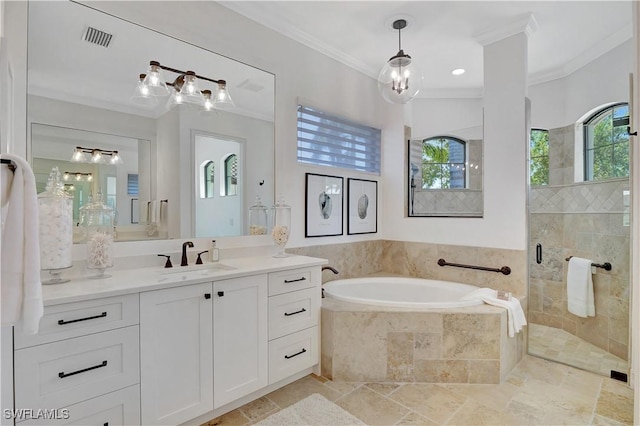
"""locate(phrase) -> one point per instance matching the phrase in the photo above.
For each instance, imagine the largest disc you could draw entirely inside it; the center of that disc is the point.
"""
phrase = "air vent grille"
(95, 36)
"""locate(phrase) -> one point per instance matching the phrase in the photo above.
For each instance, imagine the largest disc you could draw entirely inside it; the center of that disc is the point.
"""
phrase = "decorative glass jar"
(55, 208)
(280, 226)
(258, 218)
(97, 223)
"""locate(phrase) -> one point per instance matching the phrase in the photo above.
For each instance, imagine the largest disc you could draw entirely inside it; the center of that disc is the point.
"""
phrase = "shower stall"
(579, 202)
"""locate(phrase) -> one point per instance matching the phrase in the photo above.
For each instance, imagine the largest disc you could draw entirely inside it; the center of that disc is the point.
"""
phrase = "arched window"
(606, 143)
(443, 163)
(208, 177)
(539, 157)
(231, 175)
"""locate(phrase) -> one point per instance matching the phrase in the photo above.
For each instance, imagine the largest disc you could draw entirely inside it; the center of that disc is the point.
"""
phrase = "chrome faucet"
(184, 253)
(331, 268)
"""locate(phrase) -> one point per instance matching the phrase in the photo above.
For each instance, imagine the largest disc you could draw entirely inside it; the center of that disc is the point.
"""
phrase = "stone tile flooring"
(558, 345)
(537, 392)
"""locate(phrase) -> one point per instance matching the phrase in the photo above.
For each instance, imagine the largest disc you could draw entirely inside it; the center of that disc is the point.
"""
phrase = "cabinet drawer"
(293, 279)
(63, 373)
(294, 311)
(80, 318)
(293, 353)
(117, 408)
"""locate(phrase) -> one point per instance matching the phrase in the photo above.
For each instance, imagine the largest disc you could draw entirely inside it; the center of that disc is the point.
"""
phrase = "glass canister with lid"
(55, 209)
(280, 226)
(258, 221)
(97, 223)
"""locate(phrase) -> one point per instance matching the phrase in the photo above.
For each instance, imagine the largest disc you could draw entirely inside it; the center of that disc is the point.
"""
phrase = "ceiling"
(444, 35)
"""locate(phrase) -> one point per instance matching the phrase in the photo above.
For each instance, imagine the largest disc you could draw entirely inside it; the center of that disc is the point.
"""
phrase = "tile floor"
(558, 345)
(537, 392)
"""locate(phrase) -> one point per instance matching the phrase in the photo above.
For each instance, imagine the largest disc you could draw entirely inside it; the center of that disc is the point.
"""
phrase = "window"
(231, 175)
(328, 140)
(208, 177)
(110, 199)
(443, 163)
(539, 157)
(132, 184)
(606, 144)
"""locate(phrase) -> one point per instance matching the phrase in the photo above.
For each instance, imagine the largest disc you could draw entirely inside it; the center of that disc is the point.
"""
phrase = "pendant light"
(222, 99)
(400, 79)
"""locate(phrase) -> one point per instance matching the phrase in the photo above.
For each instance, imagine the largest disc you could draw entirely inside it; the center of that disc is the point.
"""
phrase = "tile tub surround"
(417, 259)
(375, 344)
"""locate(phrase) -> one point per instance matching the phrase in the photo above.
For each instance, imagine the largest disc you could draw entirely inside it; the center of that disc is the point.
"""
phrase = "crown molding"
(526, 24)
(257, 11)
(603, 46)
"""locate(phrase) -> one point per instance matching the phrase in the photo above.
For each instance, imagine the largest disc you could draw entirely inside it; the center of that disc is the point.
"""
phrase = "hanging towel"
(580, 299)
(515, 315)
(21, 289)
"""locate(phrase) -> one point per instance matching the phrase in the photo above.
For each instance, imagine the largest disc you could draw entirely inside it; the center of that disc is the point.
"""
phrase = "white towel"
(515, 315)
(21, 288)
(580, 298)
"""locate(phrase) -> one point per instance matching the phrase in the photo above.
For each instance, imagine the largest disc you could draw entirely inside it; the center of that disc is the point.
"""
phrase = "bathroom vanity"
(169, 346)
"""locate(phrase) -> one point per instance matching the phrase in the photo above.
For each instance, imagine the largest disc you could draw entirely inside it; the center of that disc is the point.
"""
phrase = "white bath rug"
(314, 410)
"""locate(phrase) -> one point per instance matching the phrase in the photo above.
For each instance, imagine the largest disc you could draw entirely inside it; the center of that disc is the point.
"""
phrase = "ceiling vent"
(95, 36)
(250, 85)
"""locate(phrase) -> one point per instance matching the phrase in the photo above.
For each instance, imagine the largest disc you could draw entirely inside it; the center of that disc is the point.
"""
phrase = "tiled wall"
(420, 260)
(587, 219)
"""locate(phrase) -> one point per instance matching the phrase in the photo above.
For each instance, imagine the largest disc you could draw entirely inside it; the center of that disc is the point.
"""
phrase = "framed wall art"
(323, 206)
(362, 206)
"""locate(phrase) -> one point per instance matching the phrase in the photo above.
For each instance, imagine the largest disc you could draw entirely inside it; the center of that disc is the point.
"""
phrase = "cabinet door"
(176, 354)
(239, 337)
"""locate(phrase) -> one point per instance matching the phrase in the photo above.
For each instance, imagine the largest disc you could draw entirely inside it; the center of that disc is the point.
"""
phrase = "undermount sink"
(204, 269)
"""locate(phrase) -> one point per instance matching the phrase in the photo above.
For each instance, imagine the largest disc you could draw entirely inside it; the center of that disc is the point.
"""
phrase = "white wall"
(450, 117)
(561, 102)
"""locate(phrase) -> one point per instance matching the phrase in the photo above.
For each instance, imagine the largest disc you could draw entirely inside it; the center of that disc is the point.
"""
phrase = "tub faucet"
(184, 253)
(331, 268)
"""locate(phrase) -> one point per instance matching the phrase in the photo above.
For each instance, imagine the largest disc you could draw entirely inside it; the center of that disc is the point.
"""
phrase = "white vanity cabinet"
(169, 349)
(83, 365)
(240, 360)
(176, 353)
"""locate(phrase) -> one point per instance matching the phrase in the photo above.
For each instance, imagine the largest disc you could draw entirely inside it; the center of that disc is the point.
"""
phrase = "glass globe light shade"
(79, 156)
(400, 80)
(208, 105)
(154, 80)
(222, 99)
(190, 90)
(142, 94)
(176, 98)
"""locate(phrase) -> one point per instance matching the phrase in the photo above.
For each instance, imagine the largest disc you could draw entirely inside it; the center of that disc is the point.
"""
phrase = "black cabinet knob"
(220, 293)
(207, 295)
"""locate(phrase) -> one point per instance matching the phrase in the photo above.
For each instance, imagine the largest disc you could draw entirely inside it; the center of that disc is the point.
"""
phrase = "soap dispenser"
(214, 252)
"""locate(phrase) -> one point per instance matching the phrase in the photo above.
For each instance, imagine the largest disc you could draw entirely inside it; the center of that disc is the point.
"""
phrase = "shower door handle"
(538, 253)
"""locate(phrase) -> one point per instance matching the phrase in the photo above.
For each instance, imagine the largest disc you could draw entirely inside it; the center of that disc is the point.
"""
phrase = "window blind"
(132, 184)
(329, 140)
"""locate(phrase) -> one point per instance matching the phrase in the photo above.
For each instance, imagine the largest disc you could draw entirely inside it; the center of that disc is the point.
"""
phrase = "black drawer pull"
(296, 354)
(220, 293)
(538, 253)
(207, 295)
(62, 375)
(295, 281)
(106, 424)
(287, 314)
(63, 322)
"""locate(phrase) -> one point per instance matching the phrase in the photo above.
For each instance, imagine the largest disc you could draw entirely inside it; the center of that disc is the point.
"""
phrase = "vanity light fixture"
(96, 156)
(78, 176)
(400, 79)
(184, 89)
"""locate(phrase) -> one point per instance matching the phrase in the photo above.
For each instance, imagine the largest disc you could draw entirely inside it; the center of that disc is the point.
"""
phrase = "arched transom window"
(606, 143)
(443, 163)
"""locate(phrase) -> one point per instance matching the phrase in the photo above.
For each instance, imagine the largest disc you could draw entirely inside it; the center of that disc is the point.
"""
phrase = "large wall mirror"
(185, 172)
(445, 162)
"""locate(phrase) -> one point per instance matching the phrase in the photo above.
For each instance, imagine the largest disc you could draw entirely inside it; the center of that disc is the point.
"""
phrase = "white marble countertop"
(135, 280)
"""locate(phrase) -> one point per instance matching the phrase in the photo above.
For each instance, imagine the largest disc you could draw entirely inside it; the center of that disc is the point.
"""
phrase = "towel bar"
(9, 164)
(606, 265)
(504, 270)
